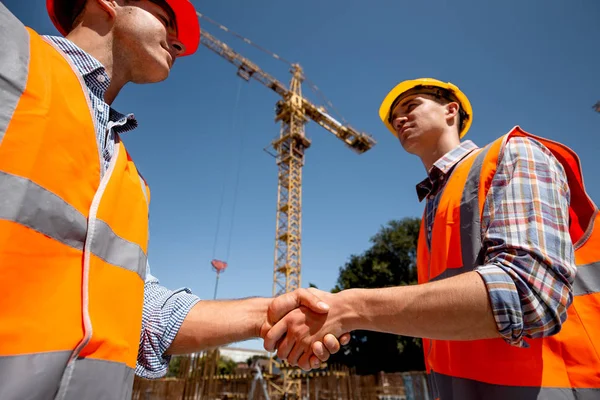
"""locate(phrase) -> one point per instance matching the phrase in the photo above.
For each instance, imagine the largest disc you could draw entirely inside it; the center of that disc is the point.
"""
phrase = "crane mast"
(289, 147)
(293, 111)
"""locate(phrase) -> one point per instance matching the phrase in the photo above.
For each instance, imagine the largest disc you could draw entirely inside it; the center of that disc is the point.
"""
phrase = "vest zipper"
(87, 322)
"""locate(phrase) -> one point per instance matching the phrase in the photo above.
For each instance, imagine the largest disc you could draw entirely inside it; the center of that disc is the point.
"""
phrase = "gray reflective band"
(143, 185)
(470, 217)
(31, 376)
(29, 204)
(98, 379)
(114, 250)
(26, 203)
(452, 388)
(38, 376)
(587, 279)
(14, 65)
(470, 221)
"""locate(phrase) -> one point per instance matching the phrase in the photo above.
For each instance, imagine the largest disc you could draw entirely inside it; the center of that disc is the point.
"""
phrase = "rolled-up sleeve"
(163, 313)
(529, 263)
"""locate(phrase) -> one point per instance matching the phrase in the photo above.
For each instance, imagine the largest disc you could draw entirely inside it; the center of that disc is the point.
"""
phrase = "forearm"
(215, 323)
(456, 308)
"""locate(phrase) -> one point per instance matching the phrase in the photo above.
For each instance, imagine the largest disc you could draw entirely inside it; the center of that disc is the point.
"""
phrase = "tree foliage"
(251, 360)
(174, 367)
(226, 366)
(390, 261)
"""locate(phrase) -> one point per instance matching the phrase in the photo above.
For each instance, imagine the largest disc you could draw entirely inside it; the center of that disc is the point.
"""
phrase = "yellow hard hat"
(453, 92)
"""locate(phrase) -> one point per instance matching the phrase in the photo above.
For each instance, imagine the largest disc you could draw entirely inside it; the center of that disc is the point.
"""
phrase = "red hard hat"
(188, 27)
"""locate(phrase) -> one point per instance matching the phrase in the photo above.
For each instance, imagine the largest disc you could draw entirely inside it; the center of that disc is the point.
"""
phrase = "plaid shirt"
(164, 310)
(529, 264)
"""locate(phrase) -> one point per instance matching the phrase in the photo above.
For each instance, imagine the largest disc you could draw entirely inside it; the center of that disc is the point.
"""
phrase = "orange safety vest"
(562, 366)
(73, 245)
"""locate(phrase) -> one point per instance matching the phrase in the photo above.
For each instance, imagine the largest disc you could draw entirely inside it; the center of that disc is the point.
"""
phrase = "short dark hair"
(462, 114)
(439, 95)
(77, 13)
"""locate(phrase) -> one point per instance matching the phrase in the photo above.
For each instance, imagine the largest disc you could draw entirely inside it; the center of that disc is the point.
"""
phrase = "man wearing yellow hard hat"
(508, 259)
(79, 310)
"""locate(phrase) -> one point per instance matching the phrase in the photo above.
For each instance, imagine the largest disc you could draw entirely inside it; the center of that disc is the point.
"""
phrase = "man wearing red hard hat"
(81, 312)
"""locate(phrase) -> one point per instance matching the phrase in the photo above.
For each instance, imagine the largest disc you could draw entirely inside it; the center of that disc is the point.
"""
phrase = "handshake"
(305, 326)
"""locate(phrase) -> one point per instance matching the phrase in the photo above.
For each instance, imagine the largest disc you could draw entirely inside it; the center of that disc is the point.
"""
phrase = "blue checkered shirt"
(164, 310)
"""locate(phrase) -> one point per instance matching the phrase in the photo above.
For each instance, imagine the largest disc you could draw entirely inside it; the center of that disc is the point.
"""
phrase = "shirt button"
(100, 108)
(101, 78)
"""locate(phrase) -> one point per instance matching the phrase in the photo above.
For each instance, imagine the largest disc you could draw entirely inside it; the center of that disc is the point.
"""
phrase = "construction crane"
(293, 111)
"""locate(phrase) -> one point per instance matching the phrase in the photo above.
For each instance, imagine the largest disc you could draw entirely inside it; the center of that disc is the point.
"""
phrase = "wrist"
(351, 313)
(259, 316)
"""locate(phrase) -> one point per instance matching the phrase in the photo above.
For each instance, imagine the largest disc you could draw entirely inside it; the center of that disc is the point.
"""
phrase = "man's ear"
(452, 117)
(108, 6)
(452, 109)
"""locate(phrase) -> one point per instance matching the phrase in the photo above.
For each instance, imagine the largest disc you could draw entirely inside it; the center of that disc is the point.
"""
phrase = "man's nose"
(398, 122)
(177, 48)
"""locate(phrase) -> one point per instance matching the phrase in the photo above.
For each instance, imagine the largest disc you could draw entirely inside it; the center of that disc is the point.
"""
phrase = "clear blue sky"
(529, 63)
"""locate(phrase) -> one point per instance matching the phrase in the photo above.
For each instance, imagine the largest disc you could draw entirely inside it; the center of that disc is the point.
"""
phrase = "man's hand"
(309, 300)
(287, 302)
(302, 332)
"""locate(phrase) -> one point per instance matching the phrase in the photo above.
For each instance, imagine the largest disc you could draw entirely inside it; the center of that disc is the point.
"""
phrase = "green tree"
(174, 367)
(252, 359)
(226, 366)
(390, 261)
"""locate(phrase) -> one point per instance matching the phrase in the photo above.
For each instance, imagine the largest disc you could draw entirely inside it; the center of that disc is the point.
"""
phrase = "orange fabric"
(126, 221)
(590, 242)
(449, 219)
(29, 303)
(112, 322)
(567, 359)
(114, 330)
(51, 141)
(48, 106)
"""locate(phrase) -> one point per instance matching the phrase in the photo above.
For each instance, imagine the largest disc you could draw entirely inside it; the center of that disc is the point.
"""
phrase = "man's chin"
(156, 76)
(410, 146)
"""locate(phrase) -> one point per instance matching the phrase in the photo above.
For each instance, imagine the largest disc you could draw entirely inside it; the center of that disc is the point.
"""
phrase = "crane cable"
(236, 184)
(311, 85)
(248, 41)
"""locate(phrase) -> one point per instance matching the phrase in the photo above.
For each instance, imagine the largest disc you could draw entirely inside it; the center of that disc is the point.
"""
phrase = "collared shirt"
(430, 186)
(529, 264)
(164, 310)
(108, 121)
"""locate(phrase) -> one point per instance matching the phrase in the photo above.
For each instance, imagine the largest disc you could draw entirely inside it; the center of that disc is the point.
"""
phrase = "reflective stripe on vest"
(93, 379)
(587, 280)
(13, 75)
(470, 222)
(30, 205)
(73, 244)
(565, 365)
(454, 388)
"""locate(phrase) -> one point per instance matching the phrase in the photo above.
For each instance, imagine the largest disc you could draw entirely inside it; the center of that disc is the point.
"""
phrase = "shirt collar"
(85, 63)
(94, 75)
(442, 168)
